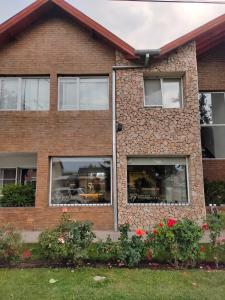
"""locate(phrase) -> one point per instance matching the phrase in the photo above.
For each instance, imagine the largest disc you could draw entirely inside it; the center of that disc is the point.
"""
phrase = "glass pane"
(213, 141)
(81, 181)
(93, 94)
(36, 93)
(158, 183)
(9, 176)
(212, 108)
(171, 93)
(8, 93)
(68, 94)
(153, 94)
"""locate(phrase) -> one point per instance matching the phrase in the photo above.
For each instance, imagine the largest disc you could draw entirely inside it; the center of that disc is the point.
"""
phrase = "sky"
(142, 25)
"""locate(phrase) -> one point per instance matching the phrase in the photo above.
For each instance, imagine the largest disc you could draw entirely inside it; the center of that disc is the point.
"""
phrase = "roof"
(206, 37)
(13, 26)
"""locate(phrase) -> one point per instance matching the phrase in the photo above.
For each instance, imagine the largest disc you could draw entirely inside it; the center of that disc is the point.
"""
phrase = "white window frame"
(79, 204)
(161, 79)
(20, 92)
(77, 80)
(161, 204)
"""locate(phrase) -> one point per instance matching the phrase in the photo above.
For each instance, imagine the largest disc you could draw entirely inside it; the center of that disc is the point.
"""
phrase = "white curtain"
(8, 93)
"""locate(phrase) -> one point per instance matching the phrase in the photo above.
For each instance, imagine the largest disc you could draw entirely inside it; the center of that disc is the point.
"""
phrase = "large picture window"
(157, 180)
(212, 119)
(18, 93)
(80, 181)
(83, 93)
(163, 92)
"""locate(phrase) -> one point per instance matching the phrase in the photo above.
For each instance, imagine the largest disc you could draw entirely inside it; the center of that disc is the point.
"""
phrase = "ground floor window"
(17, 179)
(80, 181)
(157, 180)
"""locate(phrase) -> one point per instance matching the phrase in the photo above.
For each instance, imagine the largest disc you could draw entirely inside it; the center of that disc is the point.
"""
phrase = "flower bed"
(170, 244)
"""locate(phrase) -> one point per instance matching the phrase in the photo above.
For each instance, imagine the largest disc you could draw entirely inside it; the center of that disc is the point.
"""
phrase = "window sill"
(158, 204)
(80, 205)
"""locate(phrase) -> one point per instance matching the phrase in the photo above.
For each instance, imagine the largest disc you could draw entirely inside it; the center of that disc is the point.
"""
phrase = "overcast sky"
(142, 25)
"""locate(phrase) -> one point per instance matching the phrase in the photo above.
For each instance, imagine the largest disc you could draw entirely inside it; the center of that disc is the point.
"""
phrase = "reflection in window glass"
(9, 93)
(212, 108)
(164, 92)
(81, 181)
(171, 93)
(157, 180)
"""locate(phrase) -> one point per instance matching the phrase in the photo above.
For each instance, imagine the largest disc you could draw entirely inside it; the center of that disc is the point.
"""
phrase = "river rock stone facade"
(159, 132)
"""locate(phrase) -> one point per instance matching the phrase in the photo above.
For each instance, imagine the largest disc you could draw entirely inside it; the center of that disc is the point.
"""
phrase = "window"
(81, 181)
(212, 119)
(163, 92)
(18, 93)
(83, 93)
(157, 180)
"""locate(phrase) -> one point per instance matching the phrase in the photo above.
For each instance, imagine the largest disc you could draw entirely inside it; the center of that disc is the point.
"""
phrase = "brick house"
(110, 133)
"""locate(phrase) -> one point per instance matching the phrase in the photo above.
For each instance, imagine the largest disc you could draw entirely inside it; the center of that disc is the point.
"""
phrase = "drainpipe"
(115, 205)
(147, 54)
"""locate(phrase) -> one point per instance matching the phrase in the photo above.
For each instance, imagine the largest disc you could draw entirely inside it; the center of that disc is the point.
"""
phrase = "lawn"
(33, 284)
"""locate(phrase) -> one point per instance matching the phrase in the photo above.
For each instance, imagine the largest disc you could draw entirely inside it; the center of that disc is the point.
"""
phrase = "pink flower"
(171, 222)
(61, 240)
(65, 210)
(139, 232)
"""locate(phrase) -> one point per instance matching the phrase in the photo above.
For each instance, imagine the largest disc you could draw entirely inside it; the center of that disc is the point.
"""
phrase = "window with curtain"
(17, 93)
(84, 93)
(163, 92)
(157, 180)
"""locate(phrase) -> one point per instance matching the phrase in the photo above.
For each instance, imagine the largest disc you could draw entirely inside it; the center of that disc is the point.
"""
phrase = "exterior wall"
(214, 169)
(211, 77)
(159, 132)
(56, 46)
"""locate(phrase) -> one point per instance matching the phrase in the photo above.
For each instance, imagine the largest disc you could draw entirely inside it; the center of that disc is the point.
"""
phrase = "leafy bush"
(215, 224)
(68, 242)
(130, 250)
(10, 244)
(17, 195)
(107, 250)
(214, 192)
(179, 239)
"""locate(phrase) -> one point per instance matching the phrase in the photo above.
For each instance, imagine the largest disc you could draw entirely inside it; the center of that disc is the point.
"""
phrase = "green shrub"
(215, 224)
(68, 242)
(17, 195)
(130, 249)
(106, 250)
(214, 192)
(10, 244)
(179, 239)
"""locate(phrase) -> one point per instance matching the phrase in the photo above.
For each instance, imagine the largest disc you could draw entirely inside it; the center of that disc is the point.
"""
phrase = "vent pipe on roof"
(147, 54)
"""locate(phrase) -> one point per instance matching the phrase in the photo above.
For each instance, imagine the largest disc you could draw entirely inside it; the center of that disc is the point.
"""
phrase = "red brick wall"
(211, 77)
(214, 169)
(211, 66)
(56, 46)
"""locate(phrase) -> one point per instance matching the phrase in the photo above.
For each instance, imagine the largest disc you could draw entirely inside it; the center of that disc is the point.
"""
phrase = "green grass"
(33, 284)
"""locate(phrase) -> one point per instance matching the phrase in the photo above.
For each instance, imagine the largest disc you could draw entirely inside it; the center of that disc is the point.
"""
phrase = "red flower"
(202, 249)
(160, 224)
(171, 222)
(146, 232)
(155, 231)
(205, 226)
(140, 232)
(26, 253)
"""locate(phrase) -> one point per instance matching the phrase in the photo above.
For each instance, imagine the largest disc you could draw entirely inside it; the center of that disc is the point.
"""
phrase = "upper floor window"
(26, 93)
(84, 93)
(212, 119)
(163, 92)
